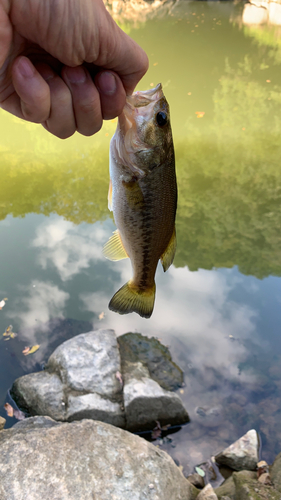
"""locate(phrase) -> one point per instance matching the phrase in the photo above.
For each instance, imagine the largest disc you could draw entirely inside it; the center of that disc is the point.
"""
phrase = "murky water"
(218, 307)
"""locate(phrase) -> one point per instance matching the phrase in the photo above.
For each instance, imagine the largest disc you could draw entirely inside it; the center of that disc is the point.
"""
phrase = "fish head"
(143, 137)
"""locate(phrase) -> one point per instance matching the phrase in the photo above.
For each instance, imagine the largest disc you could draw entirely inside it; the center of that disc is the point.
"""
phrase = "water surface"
(218, 307)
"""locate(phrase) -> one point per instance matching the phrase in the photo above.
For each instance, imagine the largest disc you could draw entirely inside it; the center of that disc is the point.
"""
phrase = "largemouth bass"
(143, 197)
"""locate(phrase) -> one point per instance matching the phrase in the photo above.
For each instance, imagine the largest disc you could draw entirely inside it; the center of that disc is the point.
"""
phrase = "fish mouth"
(137, 110)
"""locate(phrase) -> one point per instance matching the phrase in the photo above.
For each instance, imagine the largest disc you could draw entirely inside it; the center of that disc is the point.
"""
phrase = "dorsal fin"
(168, 256)
(114, 248)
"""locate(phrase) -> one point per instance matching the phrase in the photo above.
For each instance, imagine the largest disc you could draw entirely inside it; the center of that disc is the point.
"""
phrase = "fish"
(143, 197)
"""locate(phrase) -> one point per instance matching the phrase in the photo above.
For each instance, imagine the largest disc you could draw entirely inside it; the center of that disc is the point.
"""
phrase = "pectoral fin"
(114, 248)
(169, 254)
(109, 197)
(134, 194)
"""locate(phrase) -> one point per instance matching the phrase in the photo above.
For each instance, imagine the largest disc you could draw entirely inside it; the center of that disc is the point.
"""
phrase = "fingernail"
(76, 75)
(25, 68)
(107, 83)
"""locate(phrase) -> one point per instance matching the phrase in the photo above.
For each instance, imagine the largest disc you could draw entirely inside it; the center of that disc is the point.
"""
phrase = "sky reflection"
(68, 247)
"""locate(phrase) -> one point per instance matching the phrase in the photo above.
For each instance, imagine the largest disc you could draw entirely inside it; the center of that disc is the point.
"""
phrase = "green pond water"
(218, 307)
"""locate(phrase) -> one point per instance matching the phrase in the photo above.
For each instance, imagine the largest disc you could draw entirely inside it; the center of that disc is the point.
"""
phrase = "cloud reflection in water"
(68, 247)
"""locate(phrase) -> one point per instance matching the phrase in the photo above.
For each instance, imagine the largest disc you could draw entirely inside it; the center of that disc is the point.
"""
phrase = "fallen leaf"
(200, 471)
(8, 331)
(19, 415)
(101, 315)
(13, 412)
(2, 303)
(26, 350)
(200, 114)
(119, 377)
(31, 350)
(157, 431)
(155, 64)
(9, 409)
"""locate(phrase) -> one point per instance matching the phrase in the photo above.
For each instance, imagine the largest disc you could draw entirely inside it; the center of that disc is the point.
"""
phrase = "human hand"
(65, 64)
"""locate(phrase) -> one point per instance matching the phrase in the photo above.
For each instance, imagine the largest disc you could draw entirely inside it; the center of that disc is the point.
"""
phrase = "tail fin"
(129, 299)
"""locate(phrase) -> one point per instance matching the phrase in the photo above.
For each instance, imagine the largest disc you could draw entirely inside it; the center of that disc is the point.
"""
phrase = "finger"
(131, 62)
(85, 99)
(61, 121)
(112, 94)
(6, 34)
(121, 54)
(33, 91)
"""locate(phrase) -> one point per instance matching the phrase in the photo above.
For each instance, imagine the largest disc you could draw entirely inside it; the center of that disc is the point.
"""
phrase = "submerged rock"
(135, 347)
(41, 458)
(83, 379)
(243, 454)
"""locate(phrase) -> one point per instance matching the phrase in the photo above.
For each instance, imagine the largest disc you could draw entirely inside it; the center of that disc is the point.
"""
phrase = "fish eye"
(161, 118)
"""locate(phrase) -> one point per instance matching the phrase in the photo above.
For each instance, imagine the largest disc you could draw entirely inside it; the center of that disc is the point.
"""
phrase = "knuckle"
(33, 115)
(88, 107)
(90, 129)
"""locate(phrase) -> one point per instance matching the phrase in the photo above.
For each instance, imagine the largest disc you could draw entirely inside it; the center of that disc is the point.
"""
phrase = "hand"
(65, 64)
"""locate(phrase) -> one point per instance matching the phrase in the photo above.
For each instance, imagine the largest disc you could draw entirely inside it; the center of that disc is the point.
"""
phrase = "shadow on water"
(218, 307)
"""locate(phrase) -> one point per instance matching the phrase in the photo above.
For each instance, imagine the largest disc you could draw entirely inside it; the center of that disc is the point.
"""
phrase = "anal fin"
(114, 248)
(168, 256)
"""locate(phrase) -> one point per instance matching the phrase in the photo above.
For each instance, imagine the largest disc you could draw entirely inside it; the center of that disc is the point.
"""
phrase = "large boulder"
(84, 378)
(41, 458)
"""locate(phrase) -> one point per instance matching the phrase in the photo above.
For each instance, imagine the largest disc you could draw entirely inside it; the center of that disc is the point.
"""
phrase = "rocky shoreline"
(76, 440)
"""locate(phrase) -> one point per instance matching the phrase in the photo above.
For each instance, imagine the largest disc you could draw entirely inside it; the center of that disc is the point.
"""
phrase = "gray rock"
(85, 460)
(40, 393)
(243, 454)
(82, 380)
(2, 423)
(95, 407)
(88, 363)
(79, 382)
(196, 480)
(135, 347)
(207, 493)
(145, 402)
